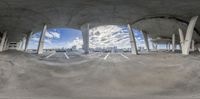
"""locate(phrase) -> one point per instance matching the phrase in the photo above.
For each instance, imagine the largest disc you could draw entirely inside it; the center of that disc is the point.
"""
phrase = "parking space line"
(66, 56)
(50, 55)
(106, 56)
(124, 56)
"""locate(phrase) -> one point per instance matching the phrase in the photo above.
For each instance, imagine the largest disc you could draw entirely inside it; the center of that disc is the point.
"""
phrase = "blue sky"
(103, 36)
(56, 38)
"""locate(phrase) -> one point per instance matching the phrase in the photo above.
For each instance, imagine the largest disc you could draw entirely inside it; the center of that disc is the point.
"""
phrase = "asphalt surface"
(99, 76)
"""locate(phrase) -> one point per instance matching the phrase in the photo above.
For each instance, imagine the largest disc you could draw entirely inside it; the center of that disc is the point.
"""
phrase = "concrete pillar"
(188, 38)
(41, 41)
(169, 46)
(173, 42)
(3, 39)
(193, 45)
(23, 43)
(154, 45)
(180, 46)
(19, 45)
(28, 36)
(132, 41)
(166, 46)
(181, 38)
(5, 45)
(85, 33)
(146, 41)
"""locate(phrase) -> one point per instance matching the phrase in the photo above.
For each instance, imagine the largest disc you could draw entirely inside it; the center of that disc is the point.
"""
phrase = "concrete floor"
(149, 76)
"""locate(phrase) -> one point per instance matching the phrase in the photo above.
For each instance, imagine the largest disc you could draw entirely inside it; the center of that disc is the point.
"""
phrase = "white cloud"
(77, 42)
(35, 39)
(55, 34)
(48, 35)
(48, 41)
(52, 34)
(109, 36)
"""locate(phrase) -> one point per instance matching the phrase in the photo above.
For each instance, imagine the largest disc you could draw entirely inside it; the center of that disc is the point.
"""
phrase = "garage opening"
(58, 39)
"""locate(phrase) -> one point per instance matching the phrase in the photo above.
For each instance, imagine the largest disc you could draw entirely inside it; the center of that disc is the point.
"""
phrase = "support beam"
(3, 41)
(146, 41)
(188, 37)
(169, 46)
(181, 38)
(41, 41)
(155, 46)
(5, 45)
(23, 43)
(132, 41)
(85, 34)
(193, 46)
(166, 46)
(180, 46)
(173, 42)
(28, 36)
(19, 45)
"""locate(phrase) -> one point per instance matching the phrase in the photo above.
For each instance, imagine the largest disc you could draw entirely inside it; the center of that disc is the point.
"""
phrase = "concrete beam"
(3, 41)
(132, 41)
(85, 33)
(28, 36)
(146, 41)
(41, 41)
(188, 38)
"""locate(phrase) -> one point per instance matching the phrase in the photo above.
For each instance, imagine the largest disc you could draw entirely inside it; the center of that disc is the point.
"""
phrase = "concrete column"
(154, 45)
(27, 40)
(3, 41)
(19, 45)
(146, 41)
(85, 33)
(5, 45)
(169, 46)
(132, 41)
(188, 38)
(180, 47)
(166, 46)
(181, 38)
(193, 47)
(41, 41)
(173, 42)
(24, 43)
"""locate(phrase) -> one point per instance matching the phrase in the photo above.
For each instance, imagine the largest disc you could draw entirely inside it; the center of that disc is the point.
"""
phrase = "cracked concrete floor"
(148, 76)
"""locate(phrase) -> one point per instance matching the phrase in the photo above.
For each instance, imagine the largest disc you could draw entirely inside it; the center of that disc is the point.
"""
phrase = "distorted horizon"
(99, 37)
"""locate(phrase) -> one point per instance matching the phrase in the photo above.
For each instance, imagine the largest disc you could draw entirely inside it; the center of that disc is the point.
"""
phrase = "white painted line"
(106, 56)
(66, 56)
(124, 56)
(50, 55)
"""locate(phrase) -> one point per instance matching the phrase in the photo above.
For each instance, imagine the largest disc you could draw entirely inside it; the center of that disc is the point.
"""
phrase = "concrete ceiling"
(159, 27)
(21, 16)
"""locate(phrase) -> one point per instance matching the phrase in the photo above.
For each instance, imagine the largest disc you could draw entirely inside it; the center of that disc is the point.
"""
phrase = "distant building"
(74, 48)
